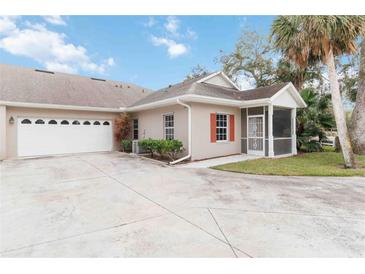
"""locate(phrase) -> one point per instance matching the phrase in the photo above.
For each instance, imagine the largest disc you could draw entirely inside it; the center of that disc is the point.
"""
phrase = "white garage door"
(46, 136)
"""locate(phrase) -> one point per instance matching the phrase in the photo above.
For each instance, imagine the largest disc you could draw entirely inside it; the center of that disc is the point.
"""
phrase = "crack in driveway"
(82, 234)
(165, 208)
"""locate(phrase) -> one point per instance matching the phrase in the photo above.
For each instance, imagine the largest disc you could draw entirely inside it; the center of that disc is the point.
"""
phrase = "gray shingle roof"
(19, 84)
(205, 89)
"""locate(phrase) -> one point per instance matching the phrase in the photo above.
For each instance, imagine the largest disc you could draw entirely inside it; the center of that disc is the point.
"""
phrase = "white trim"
(165, 102)
(189, 134)
(264, 132)
(227, 127)
(256, 115)
(170, 101)
(247, 130)
(270, 136)
(294, 131)
(208, 76)
(165, 127)
(54, 106)
(282, 138)
(294, 92)
(133, 129)
(282, 155)
(256, 152)
(224, 76)
(187, 97)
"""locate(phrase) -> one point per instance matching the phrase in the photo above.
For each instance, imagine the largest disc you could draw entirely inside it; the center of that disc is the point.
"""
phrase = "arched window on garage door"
(26, 121)
(96, 123)
(52, 122)
(87, 123)
(76, 122)
(65, 122)
(39, 122)
(106, 123)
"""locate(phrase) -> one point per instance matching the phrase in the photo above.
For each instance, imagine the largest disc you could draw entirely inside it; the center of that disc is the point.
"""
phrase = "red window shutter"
(231, 128)
(213, 127)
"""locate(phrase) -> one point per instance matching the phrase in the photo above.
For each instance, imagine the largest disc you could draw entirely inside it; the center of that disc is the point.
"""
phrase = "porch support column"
(270, 130)
(293, 131)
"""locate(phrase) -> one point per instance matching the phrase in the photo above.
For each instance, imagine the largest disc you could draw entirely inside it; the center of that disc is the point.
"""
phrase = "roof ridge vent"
(97, 79)
(44, 71)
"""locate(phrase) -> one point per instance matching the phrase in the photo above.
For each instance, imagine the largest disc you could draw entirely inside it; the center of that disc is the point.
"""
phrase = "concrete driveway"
(115, 205)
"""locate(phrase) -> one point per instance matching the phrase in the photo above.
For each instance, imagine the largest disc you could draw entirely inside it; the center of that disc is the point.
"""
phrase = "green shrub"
(162, 148)
(311, 146)
(328, 149)
(126, 145)
(148, 145)
(173, 148)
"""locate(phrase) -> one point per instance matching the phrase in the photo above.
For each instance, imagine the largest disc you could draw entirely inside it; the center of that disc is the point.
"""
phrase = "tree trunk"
(357, 130)
(339, 113)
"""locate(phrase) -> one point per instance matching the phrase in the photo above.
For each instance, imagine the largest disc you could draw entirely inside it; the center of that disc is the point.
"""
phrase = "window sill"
(223, 142)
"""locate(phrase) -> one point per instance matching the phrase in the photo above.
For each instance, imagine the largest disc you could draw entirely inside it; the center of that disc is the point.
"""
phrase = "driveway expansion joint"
(165, 208)
(225, 237)
(361, 218)
(82, 234)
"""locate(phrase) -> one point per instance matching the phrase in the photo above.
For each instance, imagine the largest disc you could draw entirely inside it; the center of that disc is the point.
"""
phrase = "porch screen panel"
(282, 123)
(282, 146)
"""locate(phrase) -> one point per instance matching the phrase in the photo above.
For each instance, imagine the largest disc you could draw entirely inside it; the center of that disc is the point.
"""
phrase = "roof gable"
(288, 96)
(218, 79)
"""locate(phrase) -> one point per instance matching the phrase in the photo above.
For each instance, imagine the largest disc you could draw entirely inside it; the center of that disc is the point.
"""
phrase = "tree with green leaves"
(255, 58)
(308, 39)
(314, 120)
(197, 71)
(289, 71)
(251, 58)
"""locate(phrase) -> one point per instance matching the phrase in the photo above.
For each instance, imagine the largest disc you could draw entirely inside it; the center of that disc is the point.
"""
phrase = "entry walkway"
(218, 161)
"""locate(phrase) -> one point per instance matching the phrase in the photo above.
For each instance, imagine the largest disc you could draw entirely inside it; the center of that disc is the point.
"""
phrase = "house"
(46, 113)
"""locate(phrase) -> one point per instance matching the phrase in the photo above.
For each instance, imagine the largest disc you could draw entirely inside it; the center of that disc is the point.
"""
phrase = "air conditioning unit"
(135, 147)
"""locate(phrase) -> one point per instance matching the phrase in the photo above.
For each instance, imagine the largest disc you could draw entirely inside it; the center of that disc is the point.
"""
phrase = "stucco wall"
(2, 132)
(11, 129)
(201, 145)
(150, 123)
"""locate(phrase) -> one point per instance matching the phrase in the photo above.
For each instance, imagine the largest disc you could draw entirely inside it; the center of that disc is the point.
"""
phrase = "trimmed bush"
(162, 148)
(126, 145)
(173, 148)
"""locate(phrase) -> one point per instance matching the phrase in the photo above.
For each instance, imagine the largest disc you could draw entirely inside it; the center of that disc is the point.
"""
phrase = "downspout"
(189, 133)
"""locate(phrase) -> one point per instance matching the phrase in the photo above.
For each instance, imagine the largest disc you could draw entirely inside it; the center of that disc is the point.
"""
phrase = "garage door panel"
(48, 139)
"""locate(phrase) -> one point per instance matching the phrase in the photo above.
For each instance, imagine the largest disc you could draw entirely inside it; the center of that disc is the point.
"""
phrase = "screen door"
(256, 135)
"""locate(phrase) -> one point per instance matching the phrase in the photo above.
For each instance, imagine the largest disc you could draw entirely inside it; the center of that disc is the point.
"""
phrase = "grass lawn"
(307, 164)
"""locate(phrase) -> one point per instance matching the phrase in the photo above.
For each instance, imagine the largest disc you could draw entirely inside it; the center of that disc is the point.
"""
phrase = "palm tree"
(306, 39)
(289, 71)
(313, 121)
(358, 114)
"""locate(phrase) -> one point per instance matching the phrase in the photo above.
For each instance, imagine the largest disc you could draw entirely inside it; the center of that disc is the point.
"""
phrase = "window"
(221, 129)
(96, 123)
(65, 122)
(106, 123)
(168, 122)
(75, 122)
(135, 129)
(26, 121)
(87, 123)
(52, 122)
(39, 122)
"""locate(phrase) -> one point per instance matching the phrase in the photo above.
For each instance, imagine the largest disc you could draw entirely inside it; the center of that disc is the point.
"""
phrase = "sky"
(151, 51)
